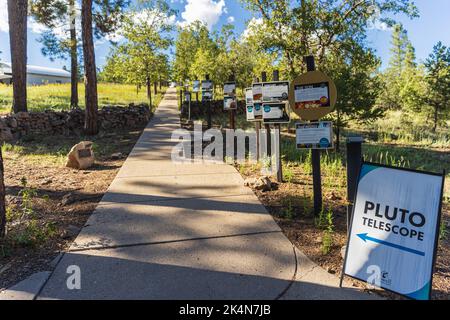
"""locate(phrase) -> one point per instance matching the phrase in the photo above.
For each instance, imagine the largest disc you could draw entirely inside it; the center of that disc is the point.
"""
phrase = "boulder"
(81, 156)
(261, 183)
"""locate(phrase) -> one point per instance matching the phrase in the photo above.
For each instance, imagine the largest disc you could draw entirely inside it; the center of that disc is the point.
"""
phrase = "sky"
(424, 32)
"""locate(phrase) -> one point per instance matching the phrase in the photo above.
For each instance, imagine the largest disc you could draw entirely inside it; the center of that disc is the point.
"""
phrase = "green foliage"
(33, 234)
(141, 58)
(27, 194)
(438, 80)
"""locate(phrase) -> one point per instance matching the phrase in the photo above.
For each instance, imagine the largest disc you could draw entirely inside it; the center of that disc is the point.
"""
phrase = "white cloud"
(3, 16)
(34, 26)
(378, 25)
(207, 11)
(230, 19)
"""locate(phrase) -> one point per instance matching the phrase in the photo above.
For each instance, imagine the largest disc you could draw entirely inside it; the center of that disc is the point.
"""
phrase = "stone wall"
(71, 122)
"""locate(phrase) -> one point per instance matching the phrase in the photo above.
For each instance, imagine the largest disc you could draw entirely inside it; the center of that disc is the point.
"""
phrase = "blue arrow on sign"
(365, 237)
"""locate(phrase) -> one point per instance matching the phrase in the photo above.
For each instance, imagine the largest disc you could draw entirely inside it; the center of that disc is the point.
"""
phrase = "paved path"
(185, 231)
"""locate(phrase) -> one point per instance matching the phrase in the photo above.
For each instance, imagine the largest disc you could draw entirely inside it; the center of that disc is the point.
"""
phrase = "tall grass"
(57, 96)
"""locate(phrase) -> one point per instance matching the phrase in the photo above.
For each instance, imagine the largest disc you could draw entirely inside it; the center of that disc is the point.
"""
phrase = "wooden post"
(266, 126)
(315, 157)
(276, 77)
(209, 108)
(257, 131)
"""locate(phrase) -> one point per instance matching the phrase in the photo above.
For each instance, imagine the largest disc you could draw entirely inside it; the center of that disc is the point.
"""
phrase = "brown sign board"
(312, 95)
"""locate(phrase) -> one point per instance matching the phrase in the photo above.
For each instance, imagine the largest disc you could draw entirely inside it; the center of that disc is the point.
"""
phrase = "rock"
(330, 270)
(68, 199)
(318, 239)
(263, 184)
(70, 232)
(343, 249)
(117, 156)
(81, 156)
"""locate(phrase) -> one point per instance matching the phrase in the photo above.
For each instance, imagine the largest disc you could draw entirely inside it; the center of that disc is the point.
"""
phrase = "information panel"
(196, 86)
(275, 91)
(229, 103)
(392, 240)
(276, 112)
(249, 104)
(229, 89)
(314, 135)
(311, 96)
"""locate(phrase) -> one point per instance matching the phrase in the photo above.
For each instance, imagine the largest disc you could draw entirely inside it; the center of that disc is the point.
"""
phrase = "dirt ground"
(300, 227)
(62, 199)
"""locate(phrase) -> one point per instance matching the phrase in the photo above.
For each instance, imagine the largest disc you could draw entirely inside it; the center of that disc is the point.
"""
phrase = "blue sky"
(432, 26)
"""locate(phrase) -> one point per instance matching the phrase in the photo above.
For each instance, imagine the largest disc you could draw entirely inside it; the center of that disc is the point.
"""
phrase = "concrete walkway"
(185, 231)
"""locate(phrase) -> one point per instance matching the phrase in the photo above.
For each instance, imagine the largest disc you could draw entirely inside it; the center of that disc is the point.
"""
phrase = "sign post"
(229, 99)
(394, 230)
(187, 97)
(276, 111)
(313, 95)
(266, 126)
(207, 95)
(196, 88)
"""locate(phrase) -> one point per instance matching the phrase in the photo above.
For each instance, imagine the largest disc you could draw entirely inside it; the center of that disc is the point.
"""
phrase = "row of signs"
(268, 102)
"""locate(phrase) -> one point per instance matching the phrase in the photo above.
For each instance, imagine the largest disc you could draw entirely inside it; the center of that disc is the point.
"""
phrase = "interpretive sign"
(312, 95)
(229, 103)
(196, 86)
(276, 112)
(275, 91)
(314, 135)
(229, 89)
(393, 234)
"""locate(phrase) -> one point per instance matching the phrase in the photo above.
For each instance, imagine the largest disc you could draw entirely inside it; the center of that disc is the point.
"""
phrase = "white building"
(36, 75)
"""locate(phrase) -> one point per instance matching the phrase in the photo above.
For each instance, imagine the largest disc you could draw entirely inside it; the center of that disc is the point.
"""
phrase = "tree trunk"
(149, 91)
(2, 200)
(17, 13)
(73, 58)
(90, 72)
(155, 87)
(436, 114)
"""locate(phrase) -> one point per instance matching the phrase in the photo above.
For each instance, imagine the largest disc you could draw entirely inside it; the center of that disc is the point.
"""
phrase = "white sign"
(393, 231)
(249, 96)
(276, 112)
(275, 91)
(257, 92)
(207, 85)
(249, 104)
(229, 103)
(229, 89)
(196, 86)
(314, 135)
(207, 95)
(312, 95)
(187, 96)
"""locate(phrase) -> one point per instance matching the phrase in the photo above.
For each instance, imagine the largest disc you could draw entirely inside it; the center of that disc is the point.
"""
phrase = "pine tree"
(399, 44)
(438, 80)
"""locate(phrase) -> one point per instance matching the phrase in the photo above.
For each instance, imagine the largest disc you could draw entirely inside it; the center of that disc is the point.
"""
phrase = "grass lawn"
(57, 96)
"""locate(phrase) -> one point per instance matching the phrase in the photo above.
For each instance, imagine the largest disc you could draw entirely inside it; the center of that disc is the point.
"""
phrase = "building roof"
(6, 68)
